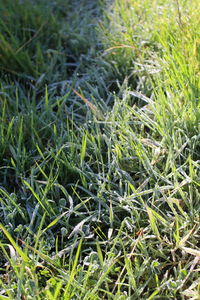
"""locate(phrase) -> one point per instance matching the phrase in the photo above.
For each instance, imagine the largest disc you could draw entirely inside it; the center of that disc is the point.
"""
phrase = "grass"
(99, 150)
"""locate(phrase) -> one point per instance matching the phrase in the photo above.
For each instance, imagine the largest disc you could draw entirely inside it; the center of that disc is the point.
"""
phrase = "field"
(99, 149)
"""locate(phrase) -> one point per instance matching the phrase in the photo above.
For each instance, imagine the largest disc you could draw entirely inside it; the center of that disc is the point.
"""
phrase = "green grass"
(99, 150)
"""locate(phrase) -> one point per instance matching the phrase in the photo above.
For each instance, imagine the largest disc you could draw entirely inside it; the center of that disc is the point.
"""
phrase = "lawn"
(99, 149)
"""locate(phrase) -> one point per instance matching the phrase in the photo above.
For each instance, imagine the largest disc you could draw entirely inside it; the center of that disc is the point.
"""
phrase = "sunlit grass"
(99, 150)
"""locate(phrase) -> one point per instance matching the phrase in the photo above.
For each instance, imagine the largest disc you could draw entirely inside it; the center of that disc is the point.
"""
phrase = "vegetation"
(99, 149)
